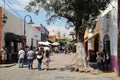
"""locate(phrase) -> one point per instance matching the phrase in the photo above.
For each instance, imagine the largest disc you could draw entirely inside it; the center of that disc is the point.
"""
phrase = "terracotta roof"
(38, 28)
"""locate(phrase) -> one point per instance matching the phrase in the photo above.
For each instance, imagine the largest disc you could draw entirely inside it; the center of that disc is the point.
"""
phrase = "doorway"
(106, 48)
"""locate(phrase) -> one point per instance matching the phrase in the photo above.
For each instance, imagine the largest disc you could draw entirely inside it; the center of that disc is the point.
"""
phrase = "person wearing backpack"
(39, 58)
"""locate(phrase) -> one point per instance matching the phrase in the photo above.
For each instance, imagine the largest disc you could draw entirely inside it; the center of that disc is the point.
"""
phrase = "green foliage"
(63, 42)
(75, 11)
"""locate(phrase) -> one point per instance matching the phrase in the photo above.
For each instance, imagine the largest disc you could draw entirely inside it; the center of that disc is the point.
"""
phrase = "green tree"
(77, 13)
(63, 42)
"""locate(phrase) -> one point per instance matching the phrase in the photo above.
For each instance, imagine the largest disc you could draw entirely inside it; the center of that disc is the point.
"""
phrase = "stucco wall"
(31, 32)
(16, 25)
(13, 25)
(113, 34)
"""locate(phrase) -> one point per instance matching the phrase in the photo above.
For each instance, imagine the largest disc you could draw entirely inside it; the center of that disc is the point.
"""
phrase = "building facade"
(106, 35)
(44, 33)
(109, 33)
(119, 37)
(11, 34)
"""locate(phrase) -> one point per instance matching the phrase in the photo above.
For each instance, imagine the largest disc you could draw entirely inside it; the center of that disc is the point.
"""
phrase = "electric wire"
(20, 5)
(12, 8)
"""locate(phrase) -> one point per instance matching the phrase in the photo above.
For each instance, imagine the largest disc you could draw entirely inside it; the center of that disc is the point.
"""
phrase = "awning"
(86, 34)
(13, 37)
(90, 38)
(44, 43)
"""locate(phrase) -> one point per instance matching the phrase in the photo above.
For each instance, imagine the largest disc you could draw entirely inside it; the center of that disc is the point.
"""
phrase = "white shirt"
(21, 54)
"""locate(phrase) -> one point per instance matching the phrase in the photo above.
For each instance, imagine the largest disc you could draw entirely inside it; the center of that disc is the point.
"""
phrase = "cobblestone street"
(60, 69)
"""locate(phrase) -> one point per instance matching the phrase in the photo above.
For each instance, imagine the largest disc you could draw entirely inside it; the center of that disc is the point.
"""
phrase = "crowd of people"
(42, 55)
(30, 54)
(102, 60)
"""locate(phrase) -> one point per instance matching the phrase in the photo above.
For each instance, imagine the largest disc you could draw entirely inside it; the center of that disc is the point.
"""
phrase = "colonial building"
(12, 32)
(56, 36)
(109, 33)
(106, 36)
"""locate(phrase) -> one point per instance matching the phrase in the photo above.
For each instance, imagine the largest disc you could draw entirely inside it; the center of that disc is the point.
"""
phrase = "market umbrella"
(44, 43)
(55, 44)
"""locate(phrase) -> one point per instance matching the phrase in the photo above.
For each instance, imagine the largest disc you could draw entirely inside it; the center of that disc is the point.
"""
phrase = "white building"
(109, 33)
(13, 32)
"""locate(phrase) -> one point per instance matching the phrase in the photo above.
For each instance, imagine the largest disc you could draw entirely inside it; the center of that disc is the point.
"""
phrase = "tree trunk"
(80, 52)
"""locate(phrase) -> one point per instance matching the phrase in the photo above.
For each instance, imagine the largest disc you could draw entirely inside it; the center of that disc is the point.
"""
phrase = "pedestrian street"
(60, 69)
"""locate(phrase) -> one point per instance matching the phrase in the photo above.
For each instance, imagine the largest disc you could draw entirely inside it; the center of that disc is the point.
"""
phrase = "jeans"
(99, 65)
(30, 63)
(39, 64)
(20, 62)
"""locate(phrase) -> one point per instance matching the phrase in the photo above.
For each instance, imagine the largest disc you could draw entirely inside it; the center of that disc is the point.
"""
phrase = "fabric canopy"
(44, 43)
(55, 44)
(13, 37)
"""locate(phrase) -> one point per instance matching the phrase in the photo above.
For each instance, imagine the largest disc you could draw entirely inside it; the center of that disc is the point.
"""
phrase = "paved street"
(58, 71)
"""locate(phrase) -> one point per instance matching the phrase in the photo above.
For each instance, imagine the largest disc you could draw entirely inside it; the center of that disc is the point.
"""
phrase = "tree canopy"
(77, 12)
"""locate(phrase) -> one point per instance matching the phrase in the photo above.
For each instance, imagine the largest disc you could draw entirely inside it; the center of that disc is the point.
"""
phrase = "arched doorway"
(106, 48)
(106, 43)
(96, 45)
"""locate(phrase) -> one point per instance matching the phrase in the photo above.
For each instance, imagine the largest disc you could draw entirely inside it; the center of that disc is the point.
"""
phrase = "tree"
(77, 13)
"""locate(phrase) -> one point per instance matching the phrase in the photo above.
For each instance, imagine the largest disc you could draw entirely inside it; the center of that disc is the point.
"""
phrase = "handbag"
(39, 56)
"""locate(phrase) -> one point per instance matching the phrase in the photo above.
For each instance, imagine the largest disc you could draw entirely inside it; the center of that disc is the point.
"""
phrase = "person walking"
(107, 61)
(103, 59)
(87, 58)
(21, 56)
(47, 59)
(30, 56)
(4, 55)
(99, 59)
(39, 58)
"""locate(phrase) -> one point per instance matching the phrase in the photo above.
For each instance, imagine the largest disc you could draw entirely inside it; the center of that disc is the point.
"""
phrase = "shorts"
(47, 60)
(4, 57)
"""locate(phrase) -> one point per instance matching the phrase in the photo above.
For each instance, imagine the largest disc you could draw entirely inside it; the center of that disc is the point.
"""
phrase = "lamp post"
(32, 42)
(4, 18)
(31, 22)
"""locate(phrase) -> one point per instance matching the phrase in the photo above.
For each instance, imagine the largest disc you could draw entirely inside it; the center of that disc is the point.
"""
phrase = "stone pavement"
(60, 69)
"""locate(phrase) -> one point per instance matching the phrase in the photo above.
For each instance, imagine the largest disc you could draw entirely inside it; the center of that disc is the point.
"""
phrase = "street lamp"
(31, 22)
(4, 19)
(32, 42)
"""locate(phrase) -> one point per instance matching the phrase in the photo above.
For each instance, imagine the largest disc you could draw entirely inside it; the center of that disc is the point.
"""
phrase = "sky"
(17, 8)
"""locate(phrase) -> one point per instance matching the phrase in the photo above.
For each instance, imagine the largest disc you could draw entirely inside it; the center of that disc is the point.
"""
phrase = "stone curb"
(7, 65)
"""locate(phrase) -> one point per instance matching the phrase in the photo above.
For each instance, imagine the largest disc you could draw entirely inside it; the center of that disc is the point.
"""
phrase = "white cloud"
(24, 2)
(17, 7)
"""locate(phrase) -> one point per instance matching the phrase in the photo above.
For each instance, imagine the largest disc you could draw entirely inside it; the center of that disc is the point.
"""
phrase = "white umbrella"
(44, 43)
(48, 42)
(55, 43)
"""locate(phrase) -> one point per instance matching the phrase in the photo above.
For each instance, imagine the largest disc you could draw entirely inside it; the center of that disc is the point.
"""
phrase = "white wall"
(113, 29)
(16, 25)
(31, 32)
(13, 25)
